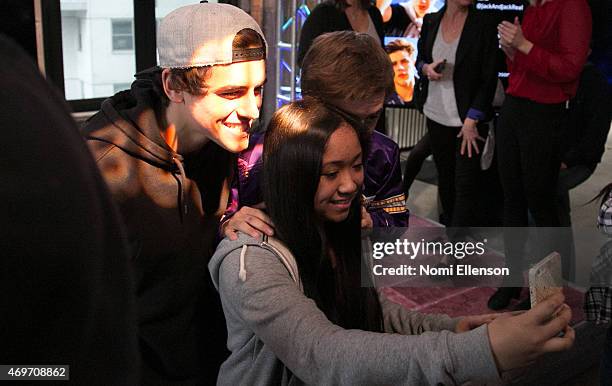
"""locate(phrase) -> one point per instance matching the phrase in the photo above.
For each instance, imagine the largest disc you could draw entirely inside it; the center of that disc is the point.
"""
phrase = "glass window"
(97, 46)
(120, 87)
(164, 7)
(80, 36)
(123, 37)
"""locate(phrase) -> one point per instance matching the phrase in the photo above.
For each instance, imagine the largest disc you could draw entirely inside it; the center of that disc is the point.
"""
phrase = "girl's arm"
(398, 319)
(270, 304)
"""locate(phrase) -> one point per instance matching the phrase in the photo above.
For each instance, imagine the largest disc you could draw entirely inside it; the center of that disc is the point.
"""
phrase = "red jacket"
(560, 31)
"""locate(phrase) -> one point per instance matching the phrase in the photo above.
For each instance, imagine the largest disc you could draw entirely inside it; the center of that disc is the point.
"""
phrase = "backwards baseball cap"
(202, 35)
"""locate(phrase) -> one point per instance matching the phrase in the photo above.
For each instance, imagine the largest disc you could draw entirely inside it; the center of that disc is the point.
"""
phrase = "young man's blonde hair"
(346, 65)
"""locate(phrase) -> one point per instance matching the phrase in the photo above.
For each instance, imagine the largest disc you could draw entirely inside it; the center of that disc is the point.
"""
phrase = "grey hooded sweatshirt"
(278, 336)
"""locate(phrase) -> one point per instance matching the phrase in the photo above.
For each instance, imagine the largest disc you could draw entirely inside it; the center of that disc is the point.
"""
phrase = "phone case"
(545, 278)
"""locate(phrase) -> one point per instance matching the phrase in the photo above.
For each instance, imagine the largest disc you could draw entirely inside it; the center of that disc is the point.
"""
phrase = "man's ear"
(174, 95)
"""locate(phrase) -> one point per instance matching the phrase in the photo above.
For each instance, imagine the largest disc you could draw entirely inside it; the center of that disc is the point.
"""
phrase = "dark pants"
(459, 176)
(568, 179)
(528, 145)
(415, 160)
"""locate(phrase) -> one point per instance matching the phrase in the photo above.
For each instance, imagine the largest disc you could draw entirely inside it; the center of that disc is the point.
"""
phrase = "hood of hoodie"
(129, 121)
(243, 241)
(134, 126)
(225, 247)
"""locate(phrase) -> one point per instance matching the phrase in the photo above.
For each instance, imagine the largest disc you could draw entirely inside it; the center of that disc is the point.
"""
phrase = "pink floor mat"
(457, 301)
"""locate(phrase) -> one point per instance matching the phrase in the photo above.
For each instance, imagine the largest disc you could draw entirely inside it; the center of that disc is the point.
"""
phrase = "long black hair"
(293, 151)
(603, 194)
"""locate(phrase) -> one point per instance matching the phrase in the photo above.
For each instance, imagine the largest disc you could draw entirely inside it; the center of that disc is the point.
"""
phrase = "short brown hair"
(193, 79)
(346, 65)
(398, 45)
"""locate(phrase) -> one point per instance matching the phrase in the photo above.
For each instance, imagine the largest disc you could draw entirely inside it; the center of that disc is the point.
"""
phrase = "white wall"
(92, 71)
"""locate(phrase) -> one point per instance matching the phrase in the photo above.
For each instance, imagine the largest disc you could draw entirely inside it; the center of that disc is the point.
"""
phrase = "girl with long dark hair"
(295, 306)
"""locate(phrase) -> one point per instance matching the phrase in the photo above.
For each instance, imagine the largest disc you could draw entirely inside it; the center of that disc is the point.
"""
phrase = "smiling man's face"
(225, 114)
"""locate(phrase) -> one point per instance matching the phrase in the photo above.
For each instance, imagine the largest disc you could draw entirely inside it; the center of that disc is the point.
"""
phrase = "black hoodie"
(171, 205)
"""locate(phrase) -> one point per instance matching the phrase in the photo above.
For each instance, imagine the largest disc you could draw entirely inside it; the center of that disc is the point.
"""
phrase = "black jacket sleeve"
(423, 57)
(483, 97)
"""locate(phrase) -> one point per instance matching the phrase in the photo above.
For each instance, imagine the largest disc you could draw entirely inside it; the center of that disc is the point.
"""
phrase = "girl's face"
(341, 175)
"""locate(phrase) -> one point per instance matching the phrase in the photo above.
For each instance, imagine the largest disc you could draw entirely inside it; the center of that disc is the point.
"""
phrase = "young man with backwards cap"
(351, 73)
(165, 148)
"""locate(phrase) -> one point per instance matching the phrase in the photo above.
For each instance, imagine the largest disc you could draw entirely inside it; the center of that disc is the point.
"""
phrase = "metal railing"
(405, 126)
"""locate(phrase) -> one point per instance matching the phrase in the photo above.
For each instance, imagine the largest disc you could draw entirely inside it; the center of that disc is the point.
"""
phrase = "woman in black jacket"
(456, 63)
(340, 15)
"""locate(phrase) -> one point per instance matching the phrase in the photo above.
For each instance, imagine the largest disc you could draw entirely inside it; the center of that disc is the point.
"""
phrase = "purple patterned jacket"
(382, 197)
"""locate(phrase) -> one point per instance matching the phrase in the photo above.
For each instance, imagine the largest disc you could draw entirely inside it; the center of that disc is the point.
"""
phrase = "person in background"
(456, 64)
(340, 15)
(598, 300)
(414, 162)
(334, 53)
(545, 55)
(404, 18)
(402, 58)
(297, 312)
(585, 132)
(67, 287)
(167, 151)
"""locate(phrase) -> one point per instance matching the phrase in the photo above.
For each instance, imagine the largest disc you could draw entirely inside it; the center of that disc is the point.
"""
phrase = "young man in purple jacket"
(351, 73)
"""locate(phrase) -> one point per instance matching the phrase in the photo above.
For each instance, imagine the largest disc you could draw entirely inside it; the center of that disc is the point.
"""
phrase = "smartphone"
(440, 67)
(545, 278)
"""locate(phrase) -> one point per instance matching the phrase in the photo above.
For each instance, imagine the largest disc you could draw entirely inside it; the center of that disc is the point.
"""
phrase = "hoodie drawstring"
(182, 179)
(242, 271)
